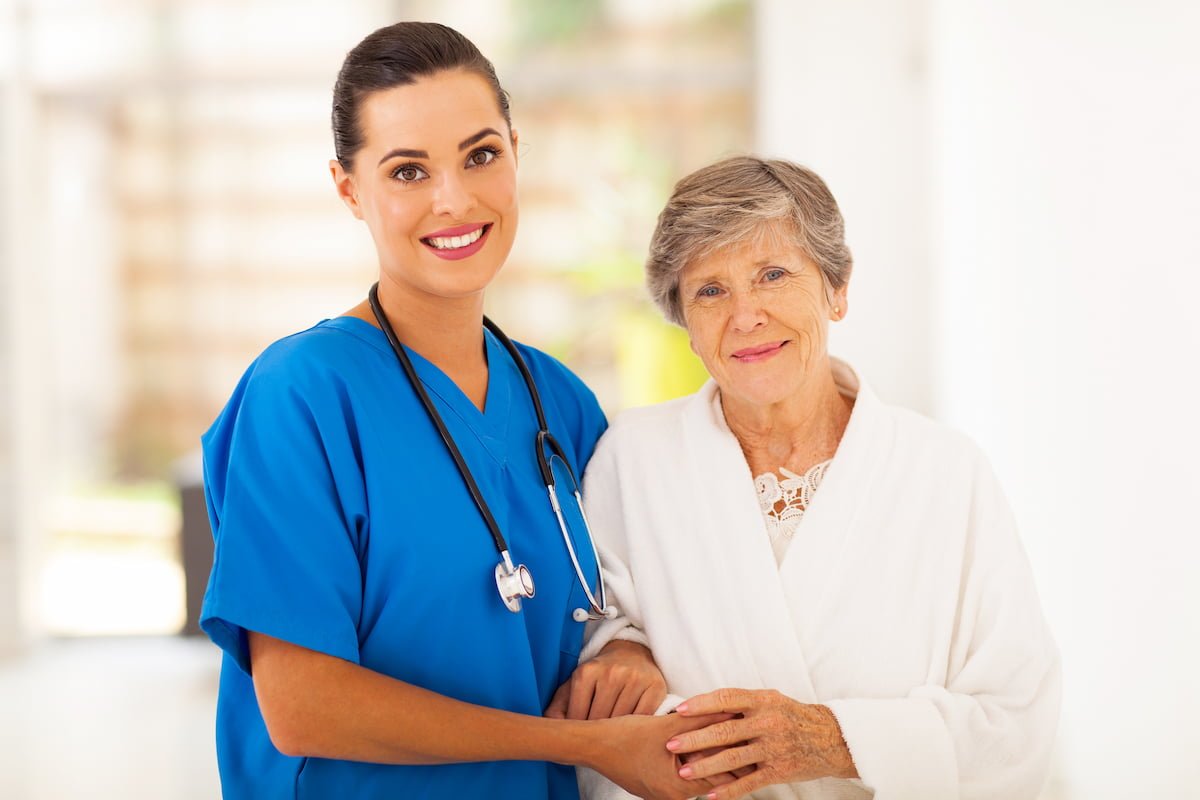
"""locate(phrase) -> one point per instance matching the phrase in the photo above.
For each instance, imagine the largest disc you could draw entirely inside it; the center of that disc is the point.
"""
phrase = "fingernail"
(673, 745)
(685, 772)
(681, 708)
(711, 796)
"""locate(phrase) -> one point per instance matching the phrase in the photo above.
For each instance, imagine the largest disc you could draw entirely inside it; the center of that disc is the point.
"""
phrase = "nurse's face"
(435, 181)
(758, 317)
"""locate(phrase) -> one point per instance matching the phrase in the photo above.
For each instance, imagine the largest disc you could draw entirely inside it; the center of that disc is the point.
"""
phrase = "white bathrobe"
(904, 603)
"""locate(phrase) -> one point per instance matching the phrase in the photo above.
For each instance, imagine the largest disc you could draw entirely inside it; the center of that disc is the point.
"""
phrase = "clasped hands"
(721, 745)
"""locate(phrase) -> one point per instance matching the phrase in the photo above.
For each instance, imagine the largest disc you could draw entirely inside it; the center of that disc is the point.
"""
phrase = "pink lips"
(459, 230)
(759, 353)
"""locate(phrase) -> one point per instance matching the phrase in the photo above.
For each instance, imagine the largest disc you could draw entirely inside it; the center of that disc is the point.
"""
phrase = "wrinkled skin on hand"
(622, 679)
(780, 739)
(634, 756)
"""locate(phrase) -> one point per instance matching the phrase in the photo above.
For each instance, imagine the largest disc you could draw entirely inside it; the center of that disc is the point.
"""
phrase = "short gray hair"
(733, 201)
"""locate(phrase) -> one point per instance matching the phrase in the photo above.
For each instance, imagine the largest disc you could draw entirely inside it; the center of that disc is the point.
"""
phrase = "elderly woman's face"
(758, 316)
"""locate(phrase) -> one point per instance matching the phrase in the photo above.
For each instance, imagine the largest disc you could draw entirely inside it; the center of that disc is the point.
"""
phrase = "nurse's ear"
(516, 142)
(343, 181)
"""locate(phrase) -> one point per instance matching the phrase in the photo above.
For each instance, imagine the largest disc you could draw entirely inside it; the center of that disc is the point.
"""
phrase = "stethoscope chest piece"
(513, 583)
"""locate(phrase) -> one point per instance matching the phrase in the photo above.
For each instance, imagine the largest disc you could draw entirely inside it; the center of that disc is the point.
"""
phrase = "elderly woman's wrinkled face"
(758, 314)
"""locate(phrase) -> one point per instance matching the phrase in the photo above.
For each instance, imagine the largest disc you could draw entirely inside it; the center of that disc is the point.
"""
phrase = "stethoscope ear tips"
(581, 615)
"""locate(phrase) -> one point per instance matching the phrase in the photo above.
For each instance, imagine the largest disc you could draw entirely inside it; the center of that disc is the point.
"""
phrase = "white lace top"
(783, 502)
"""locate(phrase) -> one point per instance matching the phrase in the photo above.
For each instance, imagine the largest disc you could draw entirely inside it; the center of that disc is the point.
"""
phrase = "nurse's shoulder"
(305, 373)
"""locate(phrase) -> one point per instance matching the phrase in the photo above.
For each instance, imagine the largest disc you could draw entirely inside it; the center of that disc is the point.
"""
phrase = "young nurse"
(368, 650)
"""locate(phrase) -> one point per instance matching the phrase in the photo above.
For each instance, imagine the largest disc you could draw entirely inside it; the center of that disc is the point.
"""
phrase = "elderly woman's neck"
(795, 433)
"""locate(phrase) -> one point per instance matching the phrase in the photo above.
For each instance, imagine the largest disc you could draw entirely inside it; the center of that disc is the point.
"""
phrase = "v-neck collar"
(490, 426)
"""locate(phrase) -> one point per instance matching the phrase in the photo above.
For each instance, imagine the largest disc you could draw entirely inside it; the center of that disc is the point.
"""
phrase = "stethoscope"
(513, 583)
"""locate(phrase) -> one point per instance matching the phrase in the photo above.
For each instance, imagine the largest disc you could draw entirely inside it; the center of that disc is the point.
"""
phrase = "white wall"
(841, 89)
(1049, 151)
(1067, 337)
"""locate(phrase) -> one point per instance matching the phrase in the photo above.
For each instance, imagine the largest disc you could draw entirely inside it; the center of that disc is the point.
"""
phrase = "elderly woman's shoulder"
(642, 420)
(937, 442)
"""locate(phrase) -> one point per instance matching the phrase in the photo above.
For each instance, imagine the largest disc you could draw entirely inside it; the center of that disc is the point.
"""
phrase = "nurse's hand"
(622, 679)
(631, 752)
(784, 740)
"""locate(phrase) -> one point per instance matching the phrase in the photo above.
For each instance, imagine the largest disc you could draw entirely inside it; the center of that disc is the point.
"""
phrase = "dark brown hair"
(397, 56)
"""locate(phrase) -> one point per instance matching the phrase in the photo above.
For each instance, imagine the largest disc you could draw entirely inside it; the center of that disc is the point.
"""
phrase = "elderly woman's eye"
(774, 274)
(709, 291)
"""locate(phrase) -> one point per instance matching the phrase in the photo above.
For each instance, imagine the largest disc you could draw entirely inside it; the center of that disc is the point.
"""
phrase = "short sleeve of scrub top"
(342, 525)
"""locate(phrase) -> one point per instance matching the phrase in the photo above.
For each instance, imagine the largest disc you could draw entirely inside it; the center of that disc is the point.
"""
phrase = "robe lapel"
(816, 554)
(751, 620)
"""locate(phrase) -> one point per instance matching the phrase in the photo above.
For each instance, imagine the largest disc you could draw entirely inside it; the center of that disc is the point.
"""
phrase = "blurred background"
(1019, 182)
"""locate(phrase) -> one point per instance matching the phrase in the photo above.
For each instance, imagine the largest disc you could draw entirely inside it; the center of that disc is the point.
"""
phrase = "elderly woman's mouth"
(759, 352)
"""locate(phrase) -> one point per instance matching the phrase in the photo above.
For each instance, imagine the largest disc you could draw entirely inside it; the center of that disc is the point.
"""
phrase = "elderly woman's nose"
(451, 197)
(747, 311)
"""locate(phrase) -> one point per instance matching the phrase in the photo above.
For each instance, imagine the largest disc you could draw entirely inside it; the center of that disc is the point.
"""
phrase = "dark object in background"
(196, 542)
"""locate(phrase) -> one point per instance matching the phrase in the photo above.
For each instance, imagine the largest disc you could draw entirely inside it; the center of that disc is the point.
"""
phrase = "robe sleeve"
(988, 732)
(602, 501)
(287, 503)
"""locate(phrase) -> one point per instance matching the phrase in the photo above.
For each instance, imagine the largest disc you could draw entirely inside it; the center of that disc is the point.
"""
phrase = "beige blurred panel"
(92, 45)
(200, 222)
(229, 40)
(23, 383)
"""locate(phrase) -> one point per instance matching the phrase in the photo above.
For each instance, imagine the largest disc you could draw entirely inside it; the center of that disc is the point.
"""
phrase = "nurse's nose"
(746, 312)
(451, 197)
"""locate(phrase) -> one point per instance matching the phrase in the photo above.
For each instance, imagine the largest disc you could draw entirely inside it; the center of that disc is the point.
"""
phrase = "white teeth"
(455, 242)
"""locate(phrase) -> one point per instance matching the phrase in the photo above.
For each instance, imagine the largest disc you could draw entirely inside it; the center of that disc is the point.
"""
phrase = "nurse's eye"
(482, 157)
(409, 173)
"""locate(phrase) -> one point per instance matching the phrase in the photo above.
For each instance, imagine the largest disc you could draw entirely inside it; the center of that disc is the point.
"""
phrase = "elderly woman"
(844, 575)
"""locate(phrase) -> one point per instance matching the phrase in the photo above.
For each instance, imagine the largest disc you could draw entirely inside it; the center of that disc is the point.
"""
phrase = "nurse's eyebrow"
(470, 140)
(401, 152)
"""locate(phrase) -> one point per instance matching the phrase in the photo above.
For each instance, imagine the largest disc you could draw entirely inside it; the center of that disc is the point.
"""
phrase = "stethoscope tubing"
(597, 610)
(460, 462)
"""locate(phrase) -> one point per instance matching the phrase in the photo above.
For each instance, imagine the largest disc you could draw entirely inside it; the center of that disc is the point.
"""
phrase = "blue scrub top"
(342, 525)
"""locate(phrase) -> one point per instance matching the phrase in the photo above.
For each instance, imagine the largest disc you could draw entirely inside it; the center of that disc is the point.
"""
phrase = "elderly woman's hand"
(784, 740)
(622, 679)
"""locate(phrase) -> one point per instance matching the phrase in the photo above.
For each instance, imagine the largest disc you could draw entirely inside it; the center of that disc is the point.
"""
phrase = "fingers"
(729, 731)
(683, 726)
(558, 704)
(650, 700)
(721, 700)
(718, 780)
(741, 787)
(604, 699)
(628, 701)
(727, 760)
(580, 702)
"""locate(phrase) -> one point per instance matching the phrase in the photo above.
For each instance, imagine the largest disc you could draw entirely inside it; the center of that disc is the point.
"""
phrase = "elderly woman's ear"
(838, 309)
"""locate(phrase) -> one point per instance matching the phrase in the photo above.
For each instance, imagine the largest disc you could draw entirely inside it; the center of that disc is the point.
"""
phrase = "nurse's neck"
(447, 331)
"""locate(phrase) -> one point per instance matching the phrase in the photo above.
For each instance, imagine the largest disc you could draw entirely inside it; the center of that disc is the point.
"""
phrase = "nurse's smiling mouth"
(457, 242)
(759, 352)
